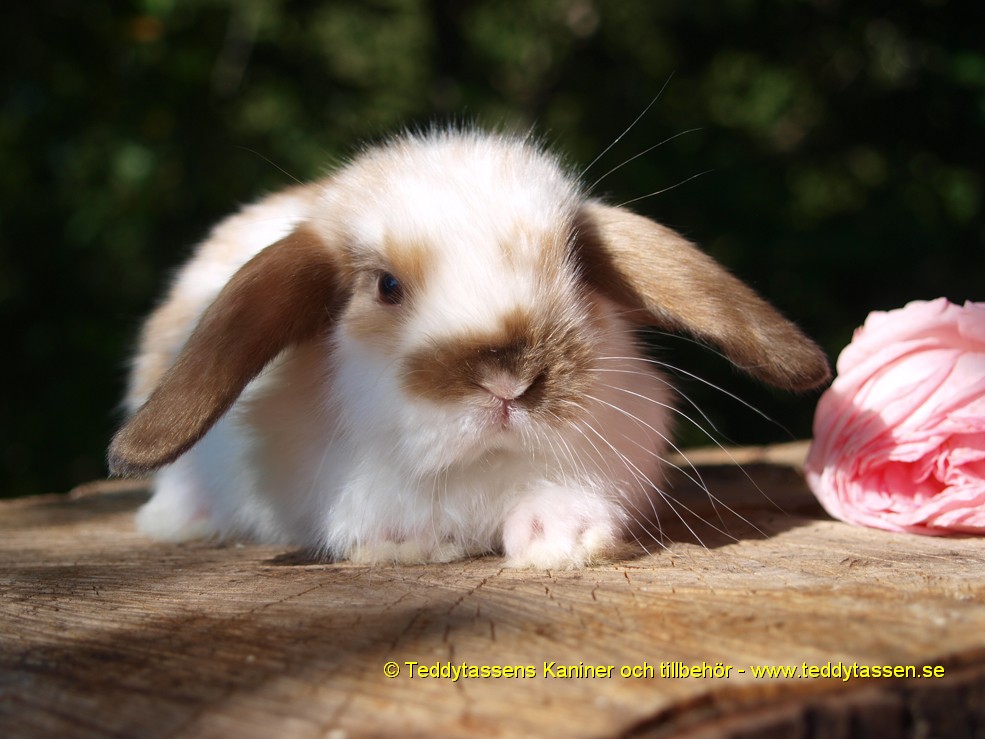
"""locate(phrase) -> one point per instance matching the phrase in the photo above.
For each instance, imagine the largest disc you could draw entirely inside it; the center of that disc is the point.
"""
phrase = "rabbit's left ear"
(664, 280)
(286, 294)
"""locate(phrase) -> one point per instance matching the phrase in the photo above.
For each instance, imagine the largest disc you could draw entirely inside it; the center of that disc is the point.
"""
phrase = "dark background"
(844, 139)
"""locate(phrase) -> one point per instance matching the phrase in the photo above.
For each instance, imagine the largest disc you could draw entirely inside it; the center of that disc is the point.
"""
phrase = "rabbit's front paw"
(559, 529)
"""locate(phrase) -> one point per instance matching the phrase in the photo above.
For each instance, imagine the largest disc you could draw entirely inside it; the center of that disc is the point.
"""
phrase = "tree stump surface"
(105, 633)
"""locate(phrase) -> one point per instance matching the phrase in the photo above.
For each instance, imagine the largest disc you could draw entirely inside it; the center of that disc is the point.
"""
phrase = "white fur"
(326, 450)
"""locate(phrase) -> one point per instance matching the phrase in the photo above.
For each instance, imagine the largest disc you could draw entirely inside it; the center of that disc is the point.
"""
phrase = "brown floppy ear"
(666, 281)
(287, 293)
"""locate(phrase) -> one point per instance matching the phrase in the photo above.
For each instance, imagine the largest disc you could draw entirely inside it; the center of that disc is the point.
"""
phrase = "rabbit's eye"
(389, 288)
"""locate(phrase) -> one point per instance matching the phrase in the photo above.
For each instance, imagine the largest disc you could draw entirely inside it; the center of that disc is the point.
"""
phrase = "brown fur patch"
(286, 294)
(552, 354)
(667, 281)
(550, 248)
(380, 324)
(409, 262)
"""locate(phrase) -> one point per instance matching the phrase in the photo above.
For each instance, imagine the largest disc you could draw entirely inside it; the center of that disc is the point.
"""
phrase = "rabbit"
(430, 354)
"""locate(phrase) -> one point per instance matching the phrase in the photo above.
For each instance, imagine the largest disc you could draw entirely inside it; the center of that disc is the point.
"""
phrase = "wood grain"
(104, 633)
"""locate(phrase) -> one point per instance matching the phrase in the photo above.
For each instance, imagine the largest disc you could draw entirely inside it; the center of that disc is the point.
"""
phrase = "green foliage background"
(844, 142)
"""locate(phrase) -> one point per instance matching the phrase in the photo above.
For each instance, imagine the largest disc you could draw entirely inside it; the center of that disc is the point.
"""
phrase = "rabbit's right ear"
(664, 280)
(289, 292)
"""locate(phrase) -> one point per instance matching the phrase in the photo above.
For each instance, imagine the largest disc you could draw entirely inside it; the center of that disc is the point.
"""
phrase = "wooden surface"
(103, 632)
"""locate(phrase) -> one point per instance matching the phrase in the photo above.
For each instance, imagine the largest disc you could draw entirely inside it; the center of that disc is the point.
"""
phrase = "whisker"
(272, 163)
(700, 482)
(676, 390)
(671, 502)
(630, 126)
(600, 456)
(716, 501)
(645, 482)
(640, 477)
(436, 501)
(700, 379)
(597, 459)
(666, 189)
(721, 446)
(642, 153)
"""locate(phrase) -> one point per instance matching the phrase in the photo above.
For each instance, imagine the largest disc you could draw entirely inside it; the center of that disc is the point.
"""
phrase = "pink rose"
(899, 437)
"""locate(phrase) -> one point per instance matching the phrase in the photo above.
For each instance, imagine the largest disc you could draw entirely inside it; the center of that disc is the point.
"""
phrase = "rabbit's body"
(424, 356)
